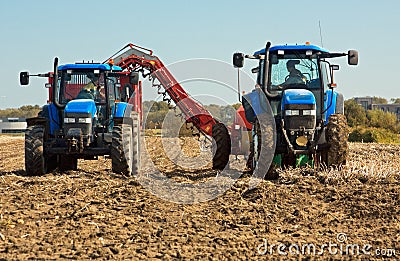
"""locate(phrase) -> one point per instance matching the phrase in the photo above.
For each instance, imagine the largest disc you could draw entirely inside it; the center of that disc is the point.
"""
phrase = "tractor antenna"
(320, 33)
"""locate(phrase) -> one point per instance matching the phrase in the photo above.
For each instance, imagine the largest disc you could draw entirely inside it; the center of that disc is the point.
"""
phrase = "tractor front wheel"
(36, 163)
(125, 148)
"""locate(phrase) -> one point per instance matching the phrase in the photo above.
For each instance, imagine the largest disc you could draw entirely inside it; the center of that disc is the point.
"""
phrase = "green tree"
(395, 100)
(382, 119)
(379, 100)
(26, 111)
(236, 105)
(355, 113)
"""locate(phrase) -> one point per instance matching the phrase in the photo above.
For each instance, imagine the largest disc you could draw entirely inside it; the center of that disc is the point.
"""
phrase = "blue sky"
(32, 33)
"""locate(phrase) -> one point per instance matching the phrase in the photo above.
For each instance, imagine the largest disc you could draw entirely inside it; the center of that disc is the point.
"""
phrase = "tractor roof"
(294, 48)
(90, 66)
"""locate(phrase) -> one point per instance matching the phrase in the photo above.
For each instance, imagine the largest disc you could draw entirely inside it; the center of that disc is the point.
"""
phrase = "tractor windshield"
(86, 85)
(294, 70)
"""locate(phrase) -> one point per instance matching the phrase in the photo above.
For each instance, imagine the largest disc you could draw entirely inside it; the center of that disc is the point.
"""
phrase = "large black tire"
(135, 144)
(221, 146)
(336, 136)
(35, 161)
(262, 149)
(125, 150)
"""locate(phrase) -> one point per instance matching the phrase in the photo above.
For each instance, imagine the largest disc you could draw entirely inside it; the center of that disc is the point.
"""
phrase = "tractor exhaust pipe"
(266, 66)
(55, 89)
(264, 87)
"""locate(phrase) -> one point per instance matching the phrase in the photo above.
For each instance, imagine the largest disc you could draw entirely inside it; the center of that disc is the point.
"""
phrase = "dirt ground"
(352, 213)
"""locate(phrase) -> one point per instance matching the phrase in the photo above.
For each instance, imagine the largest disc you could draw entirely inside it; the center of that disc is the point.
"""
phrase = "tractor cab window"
(86, 85)
(293, 69)
(113, 91)
(80, 85)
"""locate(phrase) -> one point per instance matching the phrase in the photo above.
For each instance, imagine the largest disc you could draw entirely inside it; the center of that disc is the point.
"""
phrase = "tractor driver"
(92, 90)
(294, 76)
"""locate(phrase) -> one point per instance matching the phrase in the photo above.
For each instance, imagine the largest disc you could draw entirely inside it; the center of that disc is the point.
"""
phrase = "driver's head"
(90, 87)
(291, 64)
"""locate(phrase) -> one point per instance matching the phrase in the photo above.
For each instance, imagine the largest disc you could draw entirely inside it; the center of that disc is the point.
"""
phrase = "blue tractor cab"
(297, 82)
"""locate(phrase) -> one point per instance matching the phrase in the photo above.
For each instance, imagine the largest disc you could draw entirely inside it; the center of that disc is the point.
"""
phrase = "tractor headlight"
(69, 120)
(85, 120)
(292, 112)
(309, 112)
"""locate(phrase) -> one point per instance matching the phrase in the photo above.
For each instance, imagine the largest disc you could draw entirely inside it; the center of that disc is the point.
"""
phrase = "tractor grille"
(299, 116)
(81, 121)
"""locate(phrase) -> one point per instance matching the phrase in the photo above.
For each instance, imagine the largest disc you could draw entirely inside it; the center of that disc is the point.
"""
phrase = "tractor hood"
(297, 96)
(81, 106)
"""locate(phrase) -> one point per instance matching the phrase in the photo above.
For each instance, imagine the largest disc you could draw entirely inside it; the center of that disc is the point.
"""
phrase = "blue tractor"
(309, 126)
(88, 115)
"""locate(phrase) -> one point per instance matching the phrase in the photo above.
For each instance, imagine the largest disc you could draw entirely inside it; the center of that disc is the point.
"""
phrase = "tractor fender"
(334, 107)
(50, 112)
(254, 103)
(329, 104)
(36, 121)
(48, 117)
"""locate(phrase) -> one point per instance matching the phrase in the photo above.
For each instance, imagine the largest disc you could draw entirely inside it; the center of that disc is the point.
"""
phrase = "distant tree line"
(26, 111)
(365, 125)
(372, 125)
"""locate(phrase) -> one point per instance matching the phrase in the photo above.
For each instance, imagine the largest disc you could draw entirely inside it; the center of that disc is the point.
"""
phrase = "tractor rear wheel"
(221, 146)
(336, 136)
(35, 159)
(125, 148)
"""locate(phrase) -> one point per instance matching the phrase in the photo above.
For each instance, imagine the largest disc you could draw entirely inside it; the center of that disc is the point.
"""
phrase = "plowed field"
(95, 214)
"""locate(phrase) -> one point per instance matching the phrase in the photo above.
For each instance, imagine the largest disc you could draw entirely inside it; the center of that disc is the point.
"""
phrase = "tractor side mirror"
(134, 78)
(352, 57)
(238, 60)
(24, 78)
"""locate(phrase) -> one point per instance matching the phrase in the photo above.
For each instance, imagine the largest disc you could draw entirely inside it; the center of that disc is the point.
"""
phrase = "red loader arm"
(136, 58)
